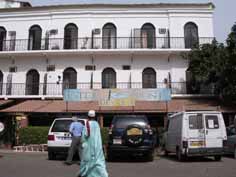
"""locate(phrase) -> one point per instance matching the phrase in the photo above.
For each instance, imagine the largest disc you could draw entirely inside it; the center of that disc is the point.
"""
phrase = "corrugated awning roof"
(175, 105)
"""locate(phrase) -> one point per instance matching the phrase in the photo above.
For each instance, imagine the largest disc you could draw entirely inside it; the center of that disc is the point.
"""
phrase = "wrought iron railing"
(100, 43)
(54, 89)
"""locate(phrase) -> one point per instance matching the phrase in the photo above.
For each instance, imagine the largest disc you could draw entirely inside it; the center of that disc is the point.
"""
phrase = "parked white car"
(198, 133)
(59, 138)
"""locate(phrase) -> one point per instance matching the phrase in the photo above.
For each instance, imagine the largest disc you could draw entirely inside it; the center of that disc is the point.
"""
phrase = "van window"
(195, 122)
(212, 122)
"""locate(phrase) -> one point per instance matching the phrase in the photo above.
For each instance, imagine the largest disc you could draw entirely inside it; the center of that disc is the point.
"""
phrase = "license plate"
(117, 141)
(134, 131)
(64, 138)
(197, 143)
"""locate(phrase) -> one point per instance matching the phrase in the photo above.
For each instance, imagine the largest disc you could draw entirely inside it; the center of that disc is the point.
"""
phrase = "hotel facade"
(45, 50)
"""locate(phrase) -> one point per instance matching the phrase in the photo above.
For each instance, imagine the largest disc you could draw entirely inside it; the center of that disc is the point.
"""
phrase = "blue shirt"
(76, 128)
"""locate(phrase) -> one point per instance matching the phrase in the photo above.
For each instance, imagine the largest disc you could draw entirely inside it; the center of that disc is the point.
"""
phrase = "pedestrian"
(75, 130)
(92, 161)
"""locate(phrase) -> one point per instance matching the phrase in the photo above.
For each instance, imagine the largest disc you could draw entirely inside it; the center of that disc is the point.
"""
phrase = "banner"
(117, 97)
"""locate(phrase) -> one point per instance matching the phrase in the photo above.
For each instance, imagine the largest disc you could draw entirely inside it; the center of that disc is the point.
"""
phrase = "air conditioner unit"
(162, 30)
(53, 31)
(96, 31)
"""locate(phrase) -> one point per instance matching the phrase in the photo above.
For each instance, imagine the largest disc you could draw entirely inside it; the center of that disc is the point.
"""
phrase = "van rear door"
(196, 131)
(213, 133)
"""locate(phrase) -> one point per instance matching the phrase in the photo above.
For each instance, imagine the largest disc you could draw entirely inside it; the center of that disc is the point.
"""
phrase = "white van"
(59, 138)
(199, 133)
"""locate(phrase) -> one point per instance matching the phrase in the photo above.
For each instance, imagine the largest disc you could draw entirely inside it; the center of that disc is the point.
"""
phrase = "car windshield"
(63, 125)
(124, 121)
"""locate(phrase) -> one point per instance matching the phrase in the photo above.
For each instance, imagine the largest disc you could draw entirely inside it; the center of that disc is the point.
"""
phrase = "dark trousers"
(74, 147)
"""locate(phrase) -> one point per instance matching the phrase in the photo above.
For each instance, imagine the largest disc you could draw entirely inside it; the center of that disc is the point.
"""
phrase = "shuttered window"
(3, 34)
(109, 36)
(149, 78)
(108, 78)
(69, 78)
(148, 36)
(191, 35)
(35, 37)
(32, 82)
(71, 36)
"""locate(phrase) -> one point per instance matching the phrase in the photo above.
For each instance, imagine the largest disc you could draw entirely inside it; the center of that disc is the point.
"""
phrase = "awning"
(51, 106)
(175, 105)
(5, 102)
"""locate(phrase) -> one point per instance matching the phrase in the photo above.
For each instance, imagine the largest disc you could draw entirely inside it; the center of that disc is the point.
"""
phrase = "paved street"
(37, 165)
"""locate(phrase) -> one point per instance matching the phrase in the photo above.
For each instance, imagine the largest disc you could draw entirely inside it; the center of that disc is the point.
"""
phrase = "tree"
(215, 65)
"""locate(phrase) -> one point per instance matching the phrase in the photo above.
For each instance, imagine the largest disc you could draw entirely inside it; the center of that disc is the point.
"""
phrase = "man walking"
(92, 161)
(76, 129)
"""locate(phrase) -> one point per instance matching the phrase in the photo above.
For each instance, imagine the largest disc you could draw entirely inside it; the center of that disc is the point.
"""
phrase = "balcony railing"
(99, 43)
(54, 89)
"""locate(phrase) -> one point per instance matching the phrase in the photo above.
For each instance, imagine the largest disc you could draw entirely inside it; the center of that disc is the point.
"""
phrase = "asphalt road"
(37, 165)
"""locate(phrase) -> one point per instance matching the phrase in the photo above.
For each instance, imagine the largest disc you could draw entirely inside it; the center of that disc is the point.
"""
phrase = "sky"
(224, 16)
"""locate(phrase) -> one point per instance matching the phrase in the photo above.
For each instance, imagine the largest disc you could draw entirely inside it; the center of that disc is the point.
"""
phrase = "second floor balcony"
(55, 90)
(112, 43)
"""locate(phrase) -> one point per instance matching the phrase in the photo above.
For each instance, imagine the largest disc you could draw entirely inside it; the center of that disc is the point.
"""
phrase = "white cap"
(75, 119)
(91, 113)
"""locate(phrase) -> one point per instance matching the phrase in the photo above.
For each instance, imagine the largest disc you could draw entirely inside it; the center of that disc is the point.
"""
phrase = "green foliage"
(38, 135)
(33, 135)
(215, 64)
(104, 134)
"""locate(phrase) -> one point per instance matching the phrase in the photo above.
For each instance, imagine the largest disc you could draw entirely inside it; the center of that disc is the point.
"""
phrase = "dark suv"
(130, 134)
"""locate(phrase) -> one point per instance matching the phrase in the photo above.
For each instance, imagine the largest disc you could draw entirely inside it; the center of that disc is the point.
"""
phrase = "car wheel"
(218, 158)
(51, 156)
(234, 152)
(150, 156)
(179, 155)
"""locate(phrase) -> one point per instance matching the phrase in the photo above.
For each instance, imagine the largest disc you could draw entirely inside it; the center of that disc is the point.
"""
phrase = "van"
(59, 138)
(199, 133)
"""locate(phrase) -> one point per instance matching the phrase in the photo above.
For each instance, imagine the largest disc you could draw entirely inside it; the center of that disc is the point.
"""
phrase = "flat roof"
(118, 5)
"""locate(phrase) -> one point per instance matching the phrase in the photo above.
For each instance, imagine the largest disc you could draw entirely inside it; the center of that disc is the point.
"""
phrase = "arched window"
(108, 78)
(149, 78)
(148, 36)
(35, 37)
(69, 78)
(109, 36)
(1, 82)
(3, 34)
(71, 36)
(191, 35)
(32, 82)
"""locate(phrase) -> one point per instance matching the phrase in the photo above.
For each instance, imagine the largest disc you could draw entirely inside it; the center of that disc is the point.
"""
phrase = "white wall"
(124, 19)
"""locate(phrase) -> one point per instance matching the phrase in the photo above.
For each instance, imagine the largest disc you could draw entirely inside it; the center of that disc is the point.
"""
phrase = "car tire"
(51, 156)
(179, 155)
(217, 158)
(150, 156)
(234, 152)
(166, 153)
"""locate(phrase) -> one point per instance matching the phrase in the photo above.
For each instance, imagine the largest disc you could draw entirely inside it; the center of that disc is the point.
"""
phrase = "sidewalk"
(11, 151)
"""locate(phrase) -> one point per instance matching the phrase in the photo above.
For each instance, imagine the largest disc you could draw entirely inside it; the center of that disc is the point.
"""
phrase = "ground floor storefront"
(25, 113)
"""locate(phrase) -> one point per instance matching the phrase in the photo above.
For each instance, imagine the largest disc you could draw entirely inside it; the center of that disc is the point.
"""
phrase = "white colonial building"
(46, 49)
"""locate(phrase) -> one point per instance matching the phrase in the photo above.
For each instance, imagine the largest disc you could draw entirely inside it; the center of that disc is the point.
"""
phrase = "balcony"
(54, 90)
(100, 43)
